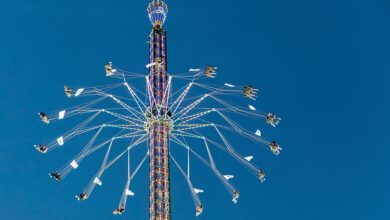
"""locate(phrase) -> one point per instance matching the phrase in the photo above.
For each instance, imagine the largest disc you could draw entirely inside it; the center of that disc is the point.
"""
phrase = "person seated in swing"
(199, 209)
(247, 89)
(272, 119)
(159, 64)
(249, 92)
(56, 176)
(44, 117)
(41, 148)
(261, 175)
(236, 195)
(210, 71)
(82, 196)
(275, 148)
(109, 69)
(119, 211)
(68, 91)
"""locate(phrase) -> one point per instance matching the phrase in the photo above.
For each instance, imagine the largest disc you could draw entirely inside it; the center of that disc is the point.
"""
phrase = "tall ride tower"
(158, 116)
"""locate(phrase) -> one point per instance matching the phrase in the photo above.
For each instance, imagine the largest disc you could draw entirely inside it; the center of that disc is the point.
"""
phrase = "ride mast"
(158, 116)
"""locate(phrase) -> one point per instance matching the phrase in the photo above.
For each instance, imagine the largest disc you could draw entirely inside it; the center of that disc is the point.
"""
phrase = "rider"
(119, 211)
(55, 175)
(210, 71)
(44, 117)
(109, 69)
(272, 119)
(199, 209)
(41, 148)
(262, 175)
(249, 92)
(159, 64)
(236, 195)
(82, 196)
(275, 148)
(68, 91)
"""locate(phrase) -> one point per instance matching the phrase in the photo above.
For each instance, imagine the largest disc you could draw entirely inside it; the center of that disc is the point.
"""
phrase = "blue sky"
(322, 65)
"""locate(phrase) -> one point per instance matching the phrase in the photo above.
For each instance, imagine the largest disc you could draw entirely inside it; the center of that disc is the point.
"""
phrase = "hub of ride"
(158, 115)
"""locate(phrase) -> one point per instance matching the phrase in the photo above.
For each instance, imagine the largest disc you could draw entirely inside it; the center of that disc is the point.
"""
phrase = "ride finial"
(157, 11)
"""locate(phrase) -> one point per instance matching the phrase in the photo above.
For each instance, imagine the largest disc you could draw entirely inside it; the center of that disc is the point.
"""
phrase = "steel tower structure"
(158, 116)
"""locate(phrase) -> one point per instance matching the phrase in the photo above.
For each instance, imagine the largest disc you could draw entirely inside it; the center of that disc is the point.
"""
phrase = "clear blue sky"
(322, 65)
